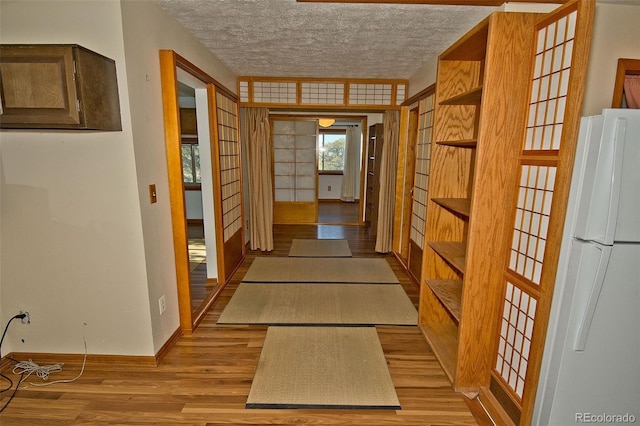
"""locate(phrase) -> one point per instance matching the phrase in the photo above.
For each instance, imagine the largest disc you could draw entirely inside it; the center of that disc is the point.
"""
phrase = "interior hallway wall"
(82, 249)
(615, 35)
(72, 249)
(147, 29)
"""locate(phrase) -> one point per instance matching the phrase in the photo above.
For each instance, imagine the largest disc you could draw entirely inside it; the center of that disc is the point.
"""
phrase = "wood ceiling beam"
(437, 2)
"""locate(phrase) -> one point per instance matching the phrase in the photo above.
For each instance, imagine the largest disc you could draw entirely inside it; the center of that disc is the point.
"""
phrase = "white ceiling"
(283, 38)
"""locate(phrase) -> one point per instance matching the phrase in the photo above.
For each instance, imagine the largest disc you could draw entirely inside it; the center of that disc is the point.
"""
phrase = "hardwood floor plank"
(205, 378)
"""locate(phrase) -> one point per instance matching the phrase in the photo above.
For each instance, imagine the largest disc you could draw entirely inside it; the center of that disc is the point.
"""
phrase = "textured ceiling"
(283, 38)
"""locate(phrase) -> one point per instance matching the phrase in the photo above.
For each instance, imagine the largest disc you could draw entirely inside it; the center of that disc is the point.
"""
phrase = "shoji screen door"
(229, 202)
(294, 169)
(420, 185)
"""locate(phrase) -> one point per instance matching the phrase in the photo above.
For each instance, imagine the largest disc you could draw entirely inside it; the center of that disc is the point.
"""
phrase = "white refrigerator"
(590, 370)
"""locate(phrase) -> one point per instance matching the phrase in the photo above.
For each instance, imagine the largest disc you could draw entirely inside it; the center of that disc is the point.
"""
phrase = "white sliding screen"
(294, 169)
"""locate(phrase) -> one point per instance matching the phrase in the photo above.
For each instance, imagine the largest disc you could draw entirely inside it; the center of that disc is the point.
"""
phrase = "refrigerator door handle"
(601, 182)
(594, 295)
(616, 178)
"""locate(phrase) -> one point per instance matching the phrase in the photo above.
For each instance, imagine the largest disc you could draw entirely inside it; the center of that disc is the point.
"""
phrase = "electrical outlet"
(27, 318)
(329, 188)
(162, 304)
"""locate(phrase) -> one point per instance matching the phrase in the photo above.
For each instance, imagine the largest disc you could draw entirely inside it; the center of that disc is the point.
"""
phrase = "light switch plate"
(153, 197)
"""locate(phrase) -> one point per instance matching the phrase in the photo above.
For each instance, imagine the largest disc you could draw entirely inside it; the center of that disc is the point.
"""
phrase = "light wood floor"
(338, 212)
(329, 212)
(205, 378)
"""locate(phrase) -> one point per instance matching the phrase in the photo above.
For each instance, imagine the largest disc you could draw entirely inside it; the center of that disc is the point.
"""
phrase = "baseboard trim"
(53, 358)
(5, 362)
(494, 408)
(402, 263)
(336, 200)
(126, 360)
(164, 350)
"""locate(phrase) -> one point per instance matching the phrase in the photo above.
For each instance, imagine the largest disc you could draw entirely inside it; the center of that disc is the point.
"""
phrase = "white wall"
(80, 242)
(193, 204)
(72, 248)
(616, 34)
(424, 77)
(333, 181)
(147, 29)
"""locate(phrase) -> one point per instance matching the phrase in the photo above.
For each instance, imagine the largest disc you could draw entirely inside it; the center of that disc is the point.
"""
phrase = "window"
(331, 146)
(191, 161)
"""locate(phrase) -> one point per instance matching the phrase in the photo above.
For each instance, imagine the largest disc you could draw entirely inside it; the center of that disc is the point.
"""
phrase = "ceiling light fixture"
(326, 122)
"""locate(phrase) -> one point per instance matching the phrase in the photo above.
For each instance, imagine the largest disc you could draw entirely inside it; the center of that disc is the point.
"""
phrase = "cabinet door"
(541, 191)
(38, 86)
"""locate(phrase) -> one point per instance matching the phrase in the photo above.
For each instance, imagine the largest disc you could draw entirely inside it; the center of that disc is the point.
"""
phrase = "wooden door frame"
(625, 67)
(170, 62)
(338, 115)
(414, 122)
(408, 142)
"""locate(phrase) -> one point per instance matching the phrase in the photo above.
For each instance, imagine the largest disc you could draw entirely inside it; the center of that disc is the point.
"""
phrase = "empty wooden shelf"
(461, 206)
(452, 252)
(449, 293)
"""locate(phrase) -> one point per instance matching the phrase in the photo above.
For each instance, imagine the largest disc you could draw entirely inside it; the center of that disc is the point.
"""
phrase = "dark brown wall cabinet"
(57, 87)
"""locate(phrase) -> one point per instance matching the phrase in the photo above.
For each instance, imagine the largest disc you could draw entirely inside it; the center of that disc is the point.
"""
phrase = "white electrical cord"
(30, 367)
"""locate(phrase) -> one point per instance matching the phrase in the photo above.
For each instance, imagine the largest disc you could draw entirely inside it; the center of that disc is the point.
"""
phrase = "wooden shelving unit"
(374, 153)
(496, 94)
(478, 122)
(449, 293)
(452, 252)
(443, 339)
(465, 143)
(461, 206)
(471, 97)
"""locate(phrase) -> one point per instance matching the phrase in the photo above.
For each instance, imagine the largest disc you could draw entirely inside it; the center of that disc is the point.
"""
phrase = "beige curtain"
(257, 139)
(632, 91)
(351, 165)
(388, 166)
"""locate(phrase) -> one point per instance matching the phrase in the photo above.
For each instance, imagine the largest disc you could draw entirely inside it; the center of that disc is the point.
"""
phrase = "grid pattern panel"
(280, 92)
(516, 331)
(550, 85)
(542, 148)
(229, 151)
(244, 91)
(369, 94)
(532, 221)
(322, 93)
(294, 160)
(401, 90)
(421, 176)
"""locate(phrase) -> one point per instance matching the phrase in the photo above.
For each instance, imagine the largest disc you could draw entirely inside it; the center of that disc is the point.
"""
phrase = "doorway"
(217, 139)
(339, 170)
(309, 154)
(417, 238)
(412, 184)
(198, 187)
